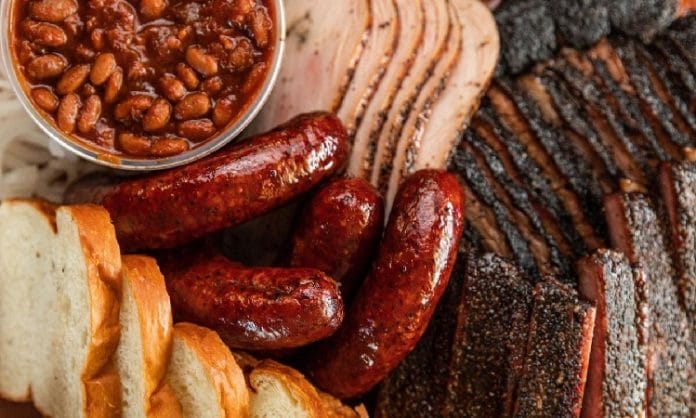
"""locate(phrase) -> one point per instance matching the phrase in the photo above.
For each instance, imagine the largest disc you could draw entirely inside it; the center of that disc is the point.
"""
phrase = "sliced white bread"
(204, 375)
(280, 391)
(60, 277)
(143, 353)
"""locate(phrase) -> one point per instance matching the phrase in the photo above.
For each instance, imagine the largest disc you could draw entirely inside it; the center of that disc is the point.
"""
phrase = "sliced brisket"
(489, 342)
(617, 377)
(637, 231)
(558, 351)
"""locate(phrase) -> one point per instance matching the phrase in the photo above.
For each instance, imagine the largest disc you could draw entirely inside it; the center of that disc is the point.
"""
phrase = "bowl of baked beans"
(142, 84)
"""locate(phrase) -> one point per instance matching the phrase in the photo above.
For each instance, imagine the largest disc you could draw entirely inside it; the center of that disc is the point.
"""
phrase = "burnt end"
(617, 378)
(643, 18)
(572, 165)
(415, 389)
(580, 23)
(639, 232)
(521, 200)
(576, 118)
(590, 93)
(491, 329)
(630, 110)
(558, 348)
(532, 175)
(466, 165)
(527, 34)
(641, 82)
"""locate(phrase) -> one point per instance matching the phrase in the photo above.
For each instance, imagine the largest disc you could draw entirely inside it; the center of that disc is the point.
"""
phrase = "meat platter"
(388, 208)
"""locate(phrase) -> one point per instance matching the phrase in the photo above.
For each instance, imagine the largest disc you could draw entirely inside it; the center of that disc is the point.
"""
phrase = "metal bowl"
(123, 162)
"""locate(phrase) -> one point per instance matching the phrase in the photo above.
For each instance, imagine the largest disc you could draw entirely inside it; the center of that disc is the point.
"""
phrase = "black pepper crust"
(464, 163)
(619, 389)
(669, 339)
(560, 335)
(630, 110)
(580, 23)
(641, 82)
(588, 91)
(521, 200)
(531, 173)
(567, 159)
(491, 329)
(576, 118)
(643, 18)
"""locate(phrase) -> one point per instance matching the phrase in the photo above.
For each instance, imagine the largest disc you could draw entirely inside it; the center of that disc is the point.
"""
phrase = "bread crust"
(101, 385)
(223, 371)
(155, 323)
(304, 391)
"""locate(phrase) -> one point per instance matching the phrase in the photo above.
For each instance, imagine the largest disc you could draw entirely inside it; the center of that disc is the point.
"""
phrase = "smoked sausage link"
(395, 303)
(230, 187)
(339, 231)
(255, 308)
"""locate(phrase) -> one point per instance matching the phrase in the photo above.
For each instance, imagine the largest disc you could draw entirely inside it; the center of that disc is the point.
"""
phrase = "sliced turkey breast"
(378, 53)
(324, 42)
(412, 26)
(437, 30)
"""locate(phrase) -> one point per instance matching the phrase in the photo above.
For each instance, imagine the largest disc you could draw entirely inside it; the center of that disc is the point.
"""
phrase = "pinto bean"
(152, 9)
(67, 112)
(44, 34)
(212, 86)
(194, 105)
(260, 24)
(223, 112)
(73, 79)
(187, 75)
(132, 144)
(157, 116)
(45, 99)
(54, 11)
(196, 130)
(205, 64)
(133, 107)
(47, 66)
(113, 86)
(90, 114)
(172, 88)
(104, 66)
(167, 147)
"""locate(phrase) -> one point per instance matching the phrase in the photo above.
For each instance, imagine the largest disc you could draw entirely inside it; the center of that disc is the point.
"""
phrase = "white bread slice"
(143, 353)
(205, 376)
(280, 391)
(59, 308)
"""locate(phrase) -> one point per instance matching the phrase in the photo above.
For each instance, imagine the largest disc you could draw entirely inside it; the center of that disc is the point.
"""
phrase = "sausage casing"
(254, 308)
(339, 231)
(395, 303)
(228, 188)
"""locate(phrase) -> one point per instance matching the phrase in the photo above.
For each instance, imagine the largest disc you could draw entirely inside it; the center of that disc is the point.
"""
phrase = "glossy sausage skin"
(254, 308)
(339, 231)
(232, 186)
(393, 307)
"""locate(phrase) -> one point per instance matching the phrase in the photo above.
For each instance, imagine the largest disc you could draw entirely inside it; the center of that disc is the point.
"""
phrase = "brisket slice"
(416, 388)
(558, 351)
(489, 341)
(617, 376)
(637, 231)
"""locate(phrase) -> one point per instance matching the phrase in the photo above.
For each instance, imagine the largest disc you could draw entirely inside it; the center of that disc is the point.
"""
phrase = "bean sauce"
(142, 78)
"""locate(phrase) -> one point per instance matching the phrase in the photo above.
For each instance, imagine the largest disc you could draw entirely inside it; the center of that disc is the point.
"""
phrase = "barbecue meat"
(637, 231)
(490, 339)
(617, 377)
(558, 351)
